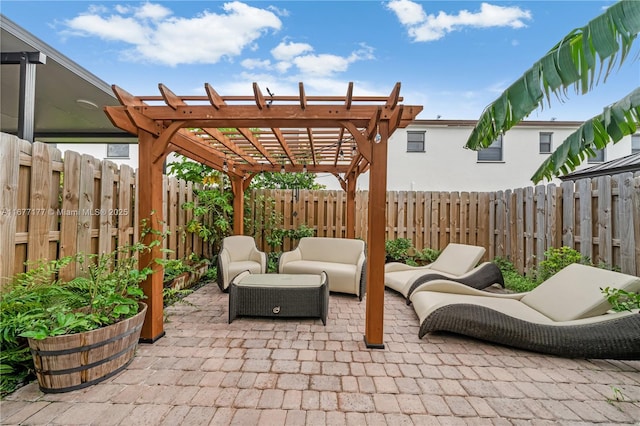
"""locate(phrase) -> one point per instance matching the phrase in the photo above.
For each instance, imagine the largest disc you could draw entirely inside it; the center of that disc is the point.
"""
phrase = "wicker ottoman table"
(279, 295)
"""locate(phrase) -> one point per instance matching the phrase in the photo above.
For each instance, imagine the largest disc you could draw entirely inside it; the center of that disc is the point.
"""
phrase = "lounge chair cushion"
(456, 259)
(568, 295)
(426, 302)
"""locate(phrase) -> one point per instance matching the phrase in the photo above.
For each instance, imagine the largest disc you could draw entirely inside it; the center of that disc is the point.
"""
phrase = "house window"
(493, 152)
(598, 158)
(545, 142)
(117, 150)
(415, 141)
(635, 143)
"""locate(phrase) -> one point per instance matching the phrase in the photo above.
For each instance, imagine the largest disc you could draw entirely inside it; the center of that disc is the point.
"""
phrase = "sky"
(451, 57)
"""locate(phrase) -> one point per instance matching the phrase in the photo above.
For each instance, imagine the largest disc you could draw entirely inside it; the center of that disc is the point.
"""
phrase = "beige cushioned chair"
(456, 260)
(566, 315)
(343, 260)
(237, 254)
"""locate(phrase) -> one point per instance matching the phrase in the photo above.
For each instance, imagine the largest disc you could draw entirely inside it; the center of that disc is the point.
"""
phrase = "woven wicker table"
(279, 295)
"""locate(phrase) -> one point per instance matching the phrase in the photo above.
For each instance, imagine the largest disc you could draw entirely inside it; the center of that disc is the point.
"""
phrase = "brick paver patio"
(297, 372)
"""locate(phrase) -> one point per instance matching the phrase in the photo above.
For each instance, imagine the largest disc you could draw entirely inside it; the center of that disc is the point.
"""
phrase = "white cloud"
(429, 27)
(408, 12)
(152, 11)
(157, 36)
(287, 51)
(128, 29)
(291, 54)
(321, 65)
(256, 64)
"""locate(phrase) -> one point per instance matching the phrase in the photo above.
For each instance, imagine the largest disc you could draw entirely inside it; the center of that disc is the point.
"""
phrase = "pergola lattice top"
(245, 135)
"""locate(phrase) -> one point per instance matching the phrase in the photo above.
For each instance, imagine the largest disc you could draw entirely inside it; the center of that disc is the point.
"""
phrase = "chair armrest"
(223, 273)
(288, 256)
(260, 257)
(397, 266)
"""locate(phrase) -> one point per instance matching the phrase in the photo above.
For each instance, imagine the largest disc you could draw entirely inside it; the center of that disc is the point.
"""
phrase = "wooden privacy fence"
(53, 207)
(599, 217)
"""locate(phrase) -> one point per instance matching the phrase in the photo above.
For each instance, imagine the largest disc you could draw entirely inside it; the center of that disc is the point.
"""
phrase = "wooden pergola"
(246, 135)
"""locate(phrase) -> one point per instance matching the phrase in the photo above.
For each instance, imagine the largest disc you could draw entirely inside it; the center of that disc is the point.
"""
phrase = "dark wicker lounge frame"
(482, 277)
(617, 338)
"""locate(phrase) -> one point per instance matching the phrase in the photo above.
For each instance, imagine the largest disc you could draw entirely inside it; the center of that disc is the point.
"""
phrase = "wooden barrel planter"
(75, 361)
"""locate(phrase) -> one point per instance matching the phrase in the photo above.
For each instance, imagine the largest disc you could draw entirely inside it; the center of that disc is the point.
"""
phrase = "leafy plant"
(513, 280)
(212, 210)
(402, 250)
(622, 300)
(578, 60)
(399, 250)
(174, 268)
(426, 256)
(272, 261)
(556, 259)
(171, 296)
(270, 180)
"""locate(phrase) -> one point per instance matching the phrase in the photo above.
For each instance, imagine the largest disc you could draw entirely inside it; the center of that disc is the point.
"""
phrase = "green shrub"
(426, 256)
(398, 250)
(513, 280)
(402, 250)
(556, 259)
(272, 261)
(174, 268)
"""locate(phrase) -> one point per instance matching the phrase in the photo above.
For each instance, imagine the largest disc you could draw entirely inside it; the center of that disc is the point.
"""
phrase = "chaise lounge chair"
(567, 315)
(455, 263)
(238, 254)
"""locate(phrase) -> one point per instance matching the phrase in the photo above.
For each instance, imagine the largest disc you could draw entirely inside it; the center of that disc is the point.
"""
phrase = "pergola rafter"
(245, 135)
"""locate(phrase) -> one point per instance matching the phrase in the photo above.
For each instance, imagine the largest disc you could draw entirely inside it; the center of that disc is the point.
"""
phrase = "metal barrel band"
(86, 384)
(88, 366)
(87, 347)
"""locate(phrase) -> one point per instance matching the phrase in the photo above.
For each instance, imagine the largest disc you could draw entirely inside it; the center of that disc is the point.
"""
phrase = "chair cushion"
(325, 249)
(575, 292)
(425, 302)
(340, 275)
(239, 247)
(458, 259)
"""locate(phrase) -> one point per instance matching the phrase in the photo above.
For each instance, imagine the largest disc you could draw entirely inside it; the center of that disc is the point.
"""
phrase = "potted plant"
(81, 331)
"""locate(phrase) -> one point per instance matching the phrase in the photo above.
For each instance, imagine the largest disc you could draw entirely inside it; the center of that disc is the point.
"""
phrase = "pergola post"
(351, 205)
(150, 216)
(376, 231)
(237, 188)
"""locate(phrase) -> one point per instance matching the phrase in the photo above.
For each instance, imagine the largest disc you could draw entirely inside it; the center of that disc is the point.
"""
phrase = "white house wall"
(446, 166)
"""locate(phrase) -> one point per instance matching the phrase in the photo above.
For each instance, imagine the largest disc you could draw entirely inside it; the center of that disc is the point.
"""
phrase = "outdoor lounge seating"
(237, 254)
(343, 260)
(567, 315)
(456, 263)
